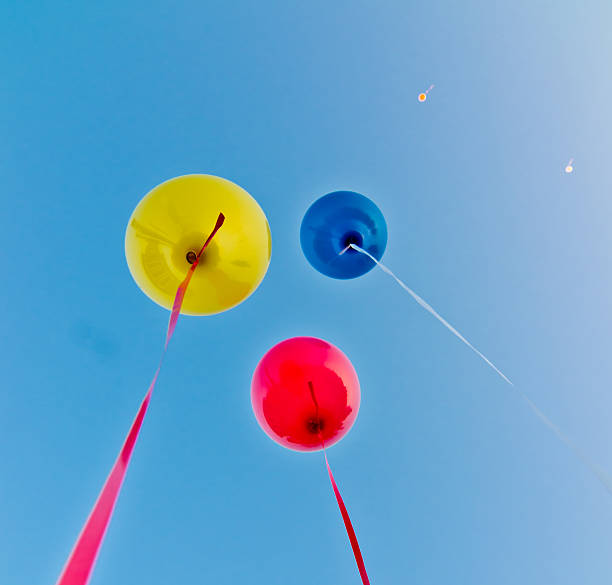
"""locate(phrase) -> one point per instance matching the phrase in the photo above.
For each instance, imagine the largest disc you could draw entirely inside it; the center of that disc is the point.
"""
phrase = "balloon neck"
(315, 425)
(351, 238)
(191, 256)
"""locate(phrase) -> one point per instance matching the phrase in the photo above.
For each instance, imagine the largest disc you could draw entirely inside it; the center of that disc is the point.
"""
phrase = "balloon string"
(595, 469)
(81, 561)
(182, 289)
(80, 564)
(431, 310)
(343, 511)
(347, 524)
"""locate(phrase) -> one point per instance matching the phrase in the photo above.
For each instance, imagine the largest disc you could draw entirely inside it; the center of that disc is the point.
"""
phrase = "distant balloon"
(423, 95)
(168, 228)
(332, 224)
(305, 394)
(569, 168)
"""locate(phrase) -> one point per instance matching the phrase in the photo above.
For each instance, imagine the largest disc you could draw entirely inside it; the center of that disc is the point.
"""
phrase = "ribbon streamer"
(81, 561)
(599, 473)
(431, 310)
(343, 511)
(349, 527)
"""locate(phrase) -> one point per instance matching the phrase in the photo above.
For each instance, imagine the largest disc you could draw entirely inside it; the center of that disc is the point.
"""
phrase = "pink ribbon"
(82, 559)
(343, 511)
(349, 527)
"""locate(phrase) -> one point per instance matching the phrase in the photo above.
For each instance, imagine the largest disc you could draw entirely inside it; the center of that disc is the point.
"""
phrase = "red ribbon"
(81, 561)
(345, 516)
(349, 527)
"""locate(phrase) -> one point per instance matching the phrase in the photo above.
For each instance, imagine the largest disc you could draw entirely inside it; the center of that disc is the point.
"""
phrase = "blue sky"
(448, 477)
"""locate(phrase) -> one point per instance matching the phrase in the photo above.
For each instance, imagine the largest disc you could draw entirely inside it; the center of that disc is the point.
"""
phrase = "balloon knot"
(315, 425)
(352, 238)
(191, 256)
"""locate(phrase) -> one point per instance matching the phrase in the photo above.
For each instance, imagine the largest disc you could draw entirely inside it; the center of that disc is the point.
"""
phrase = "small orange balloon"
(422, 97)
(569, 168)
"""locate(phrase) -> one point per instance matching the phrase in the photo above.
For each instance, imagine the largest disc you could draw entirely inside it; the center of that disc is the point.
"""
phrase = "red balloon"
(305, 394)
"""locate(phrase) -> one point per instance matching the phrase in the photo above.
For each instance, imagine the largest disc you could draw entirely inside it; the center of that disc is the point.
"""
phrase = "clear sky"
(448, 476)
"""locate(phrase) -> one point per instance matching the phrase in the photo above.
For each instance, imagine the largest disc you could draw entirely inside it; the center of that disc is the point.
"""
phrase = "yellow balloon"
(174, 219)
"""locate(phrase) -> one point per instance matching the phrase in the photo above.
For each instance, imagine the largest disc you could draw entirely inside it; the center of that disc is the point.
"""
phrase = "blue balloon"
(332, 223)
